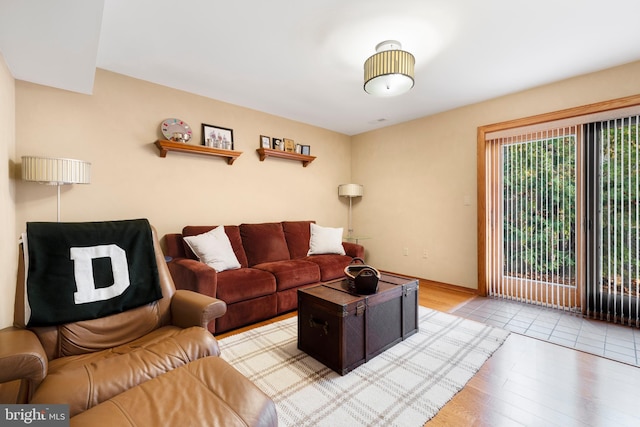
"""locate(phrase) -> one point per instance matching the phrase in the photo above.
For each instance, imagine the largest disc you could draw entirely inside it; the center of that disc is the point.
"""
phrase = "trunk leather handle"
(313, 323)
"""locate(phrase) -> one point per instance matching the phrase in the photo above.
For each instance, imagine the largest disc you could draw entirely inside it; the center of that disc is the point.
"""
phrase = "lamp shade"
(350, 190)
(55, 171)
(390, 71)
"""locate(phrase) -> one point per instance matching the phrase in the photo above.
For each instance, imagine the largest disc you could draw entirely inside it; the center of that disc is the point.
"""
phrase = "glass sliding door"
(535, 215)
(559, 210)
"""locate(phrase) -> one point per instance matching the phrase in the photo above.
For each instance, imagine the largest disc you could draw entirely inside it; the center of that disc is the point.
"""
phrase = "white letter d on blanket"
(83, 270)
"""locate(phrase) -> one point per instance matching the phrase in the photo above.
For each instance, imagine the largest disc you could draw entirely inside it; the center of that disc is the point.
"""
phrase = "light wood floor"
(533, 383)
(536, 383)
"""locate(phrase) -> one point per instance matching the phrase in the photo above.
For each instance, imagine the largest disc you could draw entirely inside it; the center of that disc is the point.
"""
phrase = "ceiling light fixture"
(390, 71)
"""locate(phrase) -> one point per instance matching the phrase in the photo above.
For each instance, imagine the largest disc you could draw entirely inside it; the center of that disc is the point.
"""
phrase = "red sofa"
(274, 265)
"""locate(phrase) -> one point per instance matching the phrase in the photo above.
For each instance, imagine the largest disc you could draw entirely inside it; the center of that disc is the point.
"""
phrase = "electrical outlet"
(405, 252)
(425, 254)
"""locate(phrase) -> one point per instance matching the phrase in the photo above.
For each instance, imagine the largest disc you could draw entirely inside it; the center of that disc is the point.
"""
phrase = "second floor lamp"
(350, 191)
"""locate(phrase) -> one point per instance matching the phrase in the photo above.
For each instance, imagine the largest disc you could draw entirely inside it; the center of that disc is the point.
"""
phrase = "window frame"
(483, 151)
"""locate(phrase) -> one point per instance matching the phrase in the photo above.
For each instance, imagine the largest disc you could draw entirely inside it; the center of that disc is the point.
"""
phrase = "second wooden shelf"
(269, 152)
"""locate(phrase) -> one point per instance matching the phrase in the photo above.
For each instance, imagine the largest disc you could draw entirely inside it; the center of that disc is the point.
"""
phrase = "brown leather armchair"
(91, 363)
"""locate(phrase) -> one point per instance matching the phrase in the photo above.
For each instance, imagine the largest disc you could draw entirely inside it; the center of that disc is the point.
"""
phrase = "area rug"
(404, 386)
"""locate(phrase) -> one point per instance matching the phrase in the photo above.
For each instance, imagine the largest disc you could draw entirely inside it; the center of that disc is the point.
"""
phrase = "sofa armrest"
(21, 356)
(354, 250)
(194, 276)
(173, 245)
(193, 309)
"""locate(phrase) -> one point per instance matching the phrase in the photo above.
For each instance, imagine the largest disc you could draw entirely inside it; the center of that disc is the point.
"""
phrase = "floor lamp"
(350, 191)
(53, 171)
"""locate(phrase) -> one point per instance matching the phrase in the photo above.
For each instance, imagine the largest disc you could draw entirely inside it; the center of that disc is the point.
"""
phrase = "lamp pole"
(58, 185)
(350, 231)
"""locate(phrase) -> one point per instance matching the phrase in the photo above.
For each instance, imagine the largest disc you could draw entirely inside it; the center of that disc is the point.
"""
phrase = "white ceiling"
(304, 60)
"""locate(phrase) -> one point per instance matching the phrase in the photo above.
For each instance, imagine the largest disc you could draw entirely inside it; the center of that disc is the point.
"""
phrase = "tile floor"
(613, 341)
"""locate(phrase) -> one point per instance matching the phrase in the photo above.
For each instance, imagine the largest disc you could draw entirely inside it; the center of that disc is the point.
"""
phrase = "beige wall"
(429, 169)
(8, 238)
(115, 129)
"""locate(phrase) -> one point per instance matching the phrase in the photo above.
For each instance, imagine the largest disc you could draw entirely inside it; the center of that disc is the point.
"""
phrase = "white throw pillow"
(325, 240)
(214, 249)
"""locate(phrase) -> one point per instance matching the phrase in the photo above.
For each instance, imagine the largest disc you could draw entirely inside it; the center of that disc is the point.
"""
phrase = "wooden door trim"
(597, 107)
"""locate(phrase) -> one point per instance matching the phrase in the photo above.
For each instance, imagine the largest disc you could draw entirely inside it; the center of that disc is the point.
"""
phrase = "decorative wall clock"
(173, 126)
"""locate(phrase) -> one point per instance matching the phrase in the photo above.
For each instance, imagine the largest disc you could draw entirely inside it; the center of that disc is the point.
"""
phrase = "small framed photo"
(277, 144)
(265, 141)
(289, 145)
(217, 137)
(306, 150)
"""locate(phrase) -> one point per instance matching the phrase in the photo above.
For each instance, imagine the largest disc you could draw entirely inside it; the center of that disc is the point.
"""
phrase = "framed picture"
(265, 141)
(289, 145)
(217, 137)
(277, 144)
(306, 150)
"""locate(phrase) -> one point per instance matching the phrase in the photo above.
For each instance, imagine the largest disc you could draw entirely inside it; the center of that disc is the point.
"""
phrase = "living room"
(418, 175)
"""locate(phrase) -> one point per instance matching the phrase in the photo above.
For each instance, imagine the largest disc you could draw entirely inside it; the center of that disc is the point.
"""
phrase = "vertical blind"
(533, 207)
(613, 271)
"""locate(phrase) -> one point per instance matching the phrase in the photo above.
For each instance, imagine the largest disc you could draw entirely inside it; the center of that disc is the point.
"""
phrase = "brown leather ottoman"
(205, 392)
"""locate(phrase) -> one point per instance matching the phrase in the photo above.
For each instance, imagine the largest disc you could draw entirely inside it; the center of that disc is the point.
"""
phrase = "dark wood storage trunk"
(344, 330)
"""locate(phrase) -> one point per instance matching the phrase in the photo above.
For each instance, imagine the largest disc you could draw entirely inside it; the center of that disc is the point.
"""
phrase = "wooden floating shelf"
(165, 146)
(269, 152)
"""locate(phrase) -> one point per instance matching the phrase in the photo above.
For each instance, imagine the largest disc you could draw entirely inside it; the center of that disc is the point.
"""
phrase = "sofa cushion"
(247, 312)
(297, 234)
(208, 391)
(214, 249)
(288, 299)
(232, 232)
(325, 240)
(264, 243)
(86, 380)
(244, 284)
(331, 265)
(291, 273)
(99, 334)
